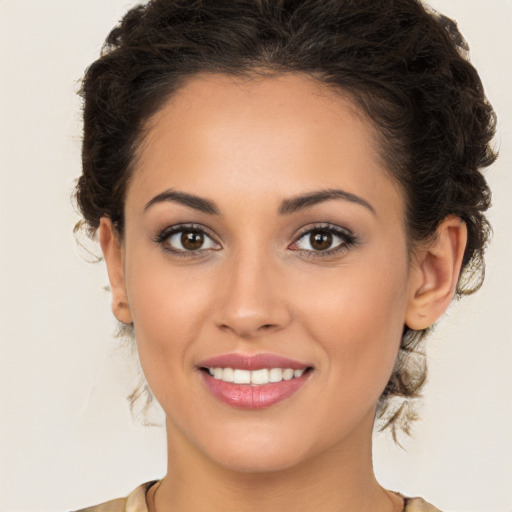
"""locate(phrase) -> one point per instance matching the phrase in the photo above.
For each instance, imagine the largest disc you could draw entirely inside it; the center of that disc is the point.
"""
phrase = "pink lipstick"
(253, 382)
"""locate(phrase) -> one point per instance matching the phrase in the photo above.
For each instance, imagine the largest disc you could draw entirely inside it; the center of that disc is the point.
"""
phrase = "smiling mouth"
(254, 389)
(255, 377)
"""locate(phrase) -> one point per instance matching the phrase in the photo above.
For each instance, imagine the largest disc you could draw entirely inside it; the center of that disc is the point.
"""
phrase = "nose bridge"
(251, 301)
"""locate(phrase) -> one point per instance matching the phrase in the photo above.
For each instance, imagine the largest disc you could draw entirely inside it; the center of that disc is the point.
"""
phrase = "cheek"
(168, 310)
(358, 317)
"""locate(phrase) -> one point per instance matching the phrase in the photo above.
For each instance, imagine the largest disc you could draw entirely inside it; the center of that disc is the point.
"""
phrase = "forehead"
(277, 135)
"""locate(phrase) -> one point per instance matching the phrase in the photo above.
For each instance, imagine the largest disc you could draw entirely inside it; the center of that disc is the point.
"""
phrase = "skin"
(257, 285)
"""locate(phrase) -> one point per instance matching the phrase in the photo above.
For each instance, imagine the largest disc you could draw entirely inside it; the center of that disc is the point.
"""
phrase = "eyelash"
(348, 239)
(163, 237)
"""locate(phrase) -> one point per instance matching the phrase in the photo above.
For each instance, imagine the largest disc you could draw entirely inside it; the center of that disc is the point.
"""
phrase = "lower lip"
(246, 396)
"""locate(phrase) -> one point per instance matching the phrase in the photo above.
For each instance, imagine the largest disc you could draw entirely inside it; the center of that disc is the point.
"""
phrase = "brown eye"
(324, 241)
(320, 240)
(192, 240)
(187, 240)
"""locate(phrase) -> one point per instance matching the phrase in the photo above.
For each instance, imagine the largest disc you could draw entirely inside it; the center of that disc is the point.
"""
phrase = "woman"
(288, 195)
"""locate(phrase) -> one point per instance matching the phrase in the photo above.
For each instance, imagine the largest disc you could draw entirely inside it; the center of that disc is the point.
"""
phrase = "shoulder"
(118, 505)
(418, 505)
(135, 502)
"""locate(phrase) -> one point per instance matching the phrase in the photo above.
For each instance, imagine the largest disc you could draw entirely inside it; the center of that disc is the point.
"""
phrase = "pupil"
(321, 240)
(192, 240)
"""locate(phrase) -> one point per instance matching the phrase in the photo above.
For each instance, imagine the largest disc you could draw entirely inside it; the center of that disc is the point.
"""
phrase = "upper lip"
(251, 362)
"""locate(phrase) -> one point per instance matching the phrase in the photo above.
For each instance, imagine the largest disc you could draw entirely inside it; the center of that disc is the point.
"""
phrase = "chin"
(259, 461)
(257, 452)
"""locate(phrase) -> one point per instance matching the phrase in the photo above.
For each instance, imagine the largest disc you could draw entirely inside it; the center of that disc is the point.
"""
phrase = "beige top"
(136, 502)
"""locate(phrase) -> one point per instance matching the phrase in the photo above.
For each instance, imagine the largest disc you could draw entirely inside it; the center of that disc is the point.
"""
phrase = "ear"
(113, 254)
(435, 274)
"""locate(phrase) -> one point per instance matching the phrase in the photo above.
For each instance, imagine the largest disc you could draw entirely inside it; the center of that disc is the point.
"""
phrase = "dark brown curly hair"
(403, 64)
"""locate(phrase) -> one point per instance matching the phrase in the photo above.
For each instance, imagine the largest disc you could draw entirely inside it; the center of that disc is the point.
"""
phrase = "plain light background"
(66, 436)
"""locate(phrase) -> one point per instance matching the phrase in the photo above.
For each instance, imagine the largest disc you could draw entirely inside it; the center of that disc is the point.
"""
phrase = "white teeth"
(242, 377)
(259, 377)
(287, 374)
(276, 375)
(255, 377)
(228, 375)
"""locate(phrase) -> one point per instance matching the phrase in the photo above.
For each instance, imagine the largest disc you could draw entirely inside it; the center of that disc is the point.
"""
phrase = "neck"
(340, 480)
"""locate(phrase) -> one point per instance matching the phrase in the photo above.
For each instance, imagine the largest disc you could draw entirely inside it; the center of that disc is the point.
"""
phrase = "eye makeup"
(324, 240)
(321, 240)
(195, 240)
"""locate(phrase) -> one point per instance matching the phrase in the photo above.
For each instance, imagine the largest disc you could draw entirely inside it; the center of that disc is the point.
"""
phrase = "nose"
(252, 301)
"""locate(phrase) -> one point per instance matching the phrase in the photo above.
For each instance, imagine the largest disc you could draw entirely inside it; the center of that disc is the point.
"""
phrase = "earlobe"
(436, 273)
(113, 255)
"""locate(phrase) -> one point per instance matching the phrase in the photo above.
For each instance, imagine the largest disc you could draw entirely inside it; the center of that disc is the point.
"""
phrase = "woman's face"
(262, 225)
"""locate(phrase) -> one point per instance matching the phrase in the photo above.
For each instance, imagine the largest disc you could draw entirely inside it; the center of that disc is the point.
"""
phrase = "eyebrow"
(190, 200)
(287, 207)
(301, 202)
